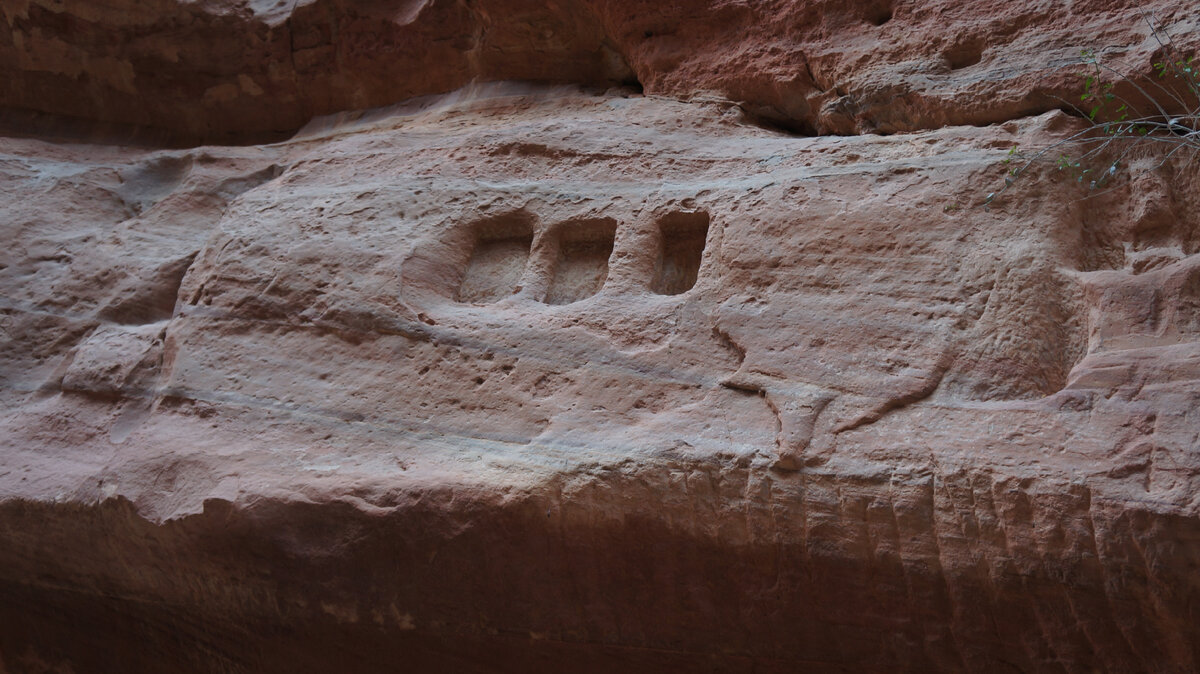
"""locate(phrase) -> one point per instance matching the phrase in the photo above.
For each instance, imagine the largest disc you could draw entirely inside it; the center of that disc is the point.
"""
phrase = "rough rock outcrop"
(538, 378)
(255, 70)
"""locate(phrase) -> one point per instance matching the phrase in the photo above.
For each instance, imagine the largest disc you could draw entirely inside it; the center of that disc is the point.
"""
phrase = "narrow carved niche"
(682, 238)
(498, 257)
(581, 266)
(879, 13)
(964, 54)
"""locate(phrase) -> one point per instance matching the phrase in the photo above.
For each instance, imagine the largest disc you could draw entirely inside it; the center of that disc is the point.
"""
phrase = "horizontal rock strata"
(546, 377)
(256, 70)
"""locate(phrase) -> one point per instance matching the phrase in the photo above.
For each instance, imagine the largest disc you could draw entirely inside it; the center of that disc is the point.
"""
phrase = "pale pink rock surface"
(528, 378)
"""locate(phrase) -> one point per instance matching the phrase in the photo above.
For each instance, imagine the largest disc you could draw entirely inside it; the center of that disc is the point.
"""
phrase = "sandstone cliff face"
(254, 70)
(551, 376)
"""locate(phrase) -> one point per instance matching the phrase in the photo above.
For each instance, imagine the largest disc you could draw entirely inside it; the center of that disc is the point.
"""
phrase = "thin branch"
(1098, 141)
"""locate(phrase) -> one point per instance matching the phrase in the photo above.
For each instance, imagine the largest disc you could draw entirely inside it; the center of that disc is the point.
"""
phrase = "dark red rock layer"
(251, 70)
(925, 573)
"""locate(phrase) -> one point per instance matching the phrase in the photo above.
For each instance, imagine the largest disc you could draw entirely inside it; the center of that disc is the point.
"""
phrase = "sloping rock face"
(551, 377)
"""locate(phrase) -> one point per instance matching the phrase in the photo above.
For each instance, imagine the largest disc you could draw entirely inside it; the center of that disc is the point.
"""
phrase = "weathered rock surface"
(532, 378)
(247, 70)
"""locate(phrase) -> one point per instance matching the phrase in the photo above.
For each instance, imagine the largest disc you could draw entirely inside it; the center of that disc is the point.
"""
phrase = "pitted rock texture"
(538, 377)
(478, 388)
(222, 71)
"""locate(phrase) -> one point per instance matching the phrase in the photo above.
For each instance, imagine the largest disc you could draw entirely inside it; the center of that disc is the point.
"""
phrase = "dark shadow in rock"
(234, 187)
(964, 54)
(152, 299)
(879, 13)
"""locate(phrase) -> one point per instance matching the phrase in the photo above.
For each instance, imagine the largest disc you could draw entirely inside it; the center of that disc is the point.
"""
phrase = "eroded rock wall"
(255, 70)
(549, 378)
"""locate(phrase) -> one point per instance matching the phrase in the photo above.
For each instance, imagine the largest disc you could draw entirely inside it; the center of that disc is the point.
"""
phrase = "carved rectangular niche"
(682, 237)
(498, 259)
(581, 266)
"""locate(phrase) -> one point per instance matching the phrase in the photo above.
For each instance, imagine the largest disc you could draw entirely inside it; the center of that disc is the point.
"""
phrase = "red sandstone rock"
(543, 379)
(245, 70)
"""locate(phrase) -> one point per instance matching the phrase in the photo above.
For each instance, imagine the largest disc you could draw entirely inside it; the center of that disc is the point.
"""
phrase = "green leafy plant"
(1124, 112)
